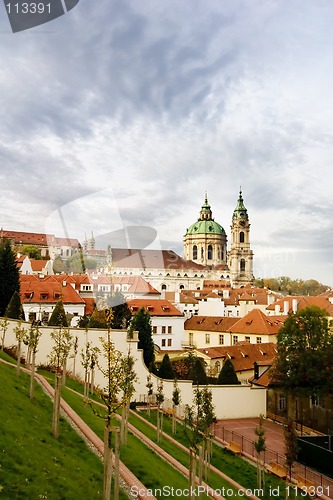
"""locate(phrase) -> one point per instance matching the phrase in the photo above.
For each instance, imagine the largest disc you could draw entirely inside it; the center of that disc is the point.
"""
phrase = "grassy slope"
(32, 464)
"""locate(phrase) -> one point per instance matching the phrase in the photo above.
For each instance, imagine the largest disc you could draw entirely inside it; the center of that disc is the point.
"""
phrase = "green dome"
(205, 224)
(205, 227)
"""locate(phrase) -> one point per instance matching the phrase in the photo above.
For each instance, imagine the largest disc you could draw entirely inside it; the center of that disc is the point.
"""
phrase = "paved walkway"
(246, 426)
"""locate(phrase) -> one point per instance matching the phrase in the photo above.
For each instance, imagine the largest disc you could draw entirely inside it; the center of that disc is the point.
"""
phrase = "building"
(167, 321)
(49, 245)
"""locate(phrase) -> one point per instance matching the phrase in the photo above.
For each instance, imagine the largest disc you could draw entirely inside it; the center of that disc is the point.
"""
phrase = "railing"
(247, 446)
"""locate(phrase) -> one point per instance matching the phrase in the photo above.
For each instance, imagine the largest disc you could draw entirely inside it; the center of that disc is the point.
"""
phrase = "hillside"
(33, 464)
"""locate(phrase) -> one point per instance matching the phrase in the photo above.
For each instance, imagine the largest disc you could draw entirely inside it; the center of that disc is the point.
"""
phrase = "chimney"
(277, 309)
(294, 306)
(256, 370)
(64, 283)
(285, 307)
(225, 294)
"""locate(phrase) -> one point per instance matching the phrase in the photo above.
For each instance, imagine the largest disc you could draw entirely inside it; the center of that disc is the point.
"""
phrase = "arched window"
(242, 265)
(163, 287)
(195, 252)
(181, 287)
(210, 252)
(241, 237)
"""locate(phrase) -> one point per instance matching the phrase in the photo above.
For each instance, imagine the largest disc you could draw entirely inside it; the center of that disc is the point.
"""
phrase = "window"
(248, 339)
(169, 342)
(210, 252)
(242, 265)
(235, 339)
(258, 339)
(195, 252)
(217, 367)
(169, 329)
(282, 402)
(103, 288)
(86, 288)
(163, 287)
(221, 339)
(314, 400)
(163, 342)
(163, 329)
(207, 338)
(241, 237)
(154, 330)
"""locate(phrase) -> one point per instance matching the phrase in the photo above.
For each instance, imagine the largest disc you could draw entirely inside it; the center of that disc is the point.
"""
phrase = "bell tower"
(240, 256)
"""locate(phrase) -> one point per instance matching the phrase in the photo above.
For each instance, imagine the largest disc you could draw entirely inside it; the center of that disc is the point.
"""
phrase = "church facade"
(205, 243)
(206, 256)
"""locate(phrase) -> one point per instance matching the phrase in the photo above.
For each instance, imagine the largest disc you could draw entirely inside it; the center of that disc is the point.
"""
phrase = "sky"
(120, 115)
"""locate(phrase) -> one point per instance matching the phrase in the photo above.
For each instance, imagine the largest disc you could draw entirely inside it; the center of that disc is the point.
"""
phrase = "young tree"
(198, 422)
(85, 362)
(20, 333)
(166, 371)
(14, 310)
(149, 386)
(9, 275)
(31, 340)
(159, 401)
(291, 447)
(60, 351)
(305, 353)
(198, 373)
(176, 398)
(128, 389)
(260, 446)
(4, 323)
(227, 375)
(141, 322)
(59, 266)
(115, 371)
(58, 316)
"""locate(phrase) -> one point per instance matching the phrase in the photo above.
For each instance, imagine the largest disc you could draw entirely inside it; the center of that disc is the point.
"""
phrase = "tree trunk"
(158, 424)
(201, 455)
(56, 405)
(116, 464)
(107, 462)
(92, 381)
(32, 375)
(174, 424)
(122, 425)
(192, 474)
(18, 359)
(64, 372)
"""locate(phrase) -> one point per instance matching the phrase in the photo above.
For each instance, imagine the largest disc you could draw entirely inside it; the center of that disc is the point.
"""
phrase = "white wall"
(230, 401)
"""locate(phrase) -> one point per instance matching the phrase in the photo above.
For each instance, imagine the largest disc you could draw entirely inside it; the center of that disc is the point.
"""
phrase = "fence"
(247, 446)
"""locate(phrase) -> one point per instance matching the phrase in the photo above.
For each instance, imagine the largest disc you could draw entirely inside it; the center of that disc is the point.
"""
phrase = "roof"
(136, 284)
(34, 289)
(38, 265)
(303, 301)
(157, 307)
(38, 239)
(256, 322)
(151, 259)
(243, 355)
(205, 224)
(209, 323)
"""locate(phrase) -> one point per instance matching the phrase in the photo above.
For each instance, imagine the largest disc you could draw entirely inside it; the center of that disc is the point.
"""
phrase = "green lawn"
(33, 465)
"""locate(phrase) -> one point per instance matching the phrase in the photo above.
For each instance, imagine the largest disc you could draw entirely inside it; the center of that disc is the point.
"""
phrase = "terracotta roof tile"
(209, 323)
(156, 307)
(257, 322)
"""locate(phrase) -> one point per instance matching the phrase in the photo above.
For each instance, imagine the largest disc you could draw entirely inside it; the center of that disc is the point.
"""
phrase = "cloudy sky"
(123, 113)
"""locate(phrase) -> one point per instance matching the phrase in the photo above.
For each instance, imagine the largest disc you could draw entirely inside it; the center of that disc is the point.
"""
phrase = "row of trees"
(288, 286)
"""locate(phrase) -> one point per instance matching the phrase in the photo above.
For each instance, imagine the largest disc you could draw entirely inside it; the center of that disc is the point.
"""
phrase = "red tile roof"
(151, 259)
(303, 301)
(243, 355)
(156, 307)
(256, 322)
(34, 289)
(210, 323)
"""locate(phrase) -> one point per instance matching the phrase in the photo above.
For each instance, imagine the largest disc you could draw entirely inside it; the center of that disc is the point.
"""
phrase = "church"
(205, 243)
(206, 255)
